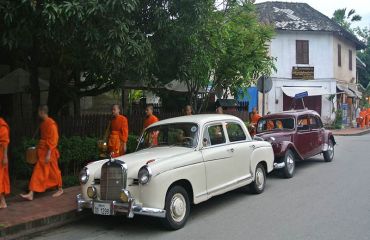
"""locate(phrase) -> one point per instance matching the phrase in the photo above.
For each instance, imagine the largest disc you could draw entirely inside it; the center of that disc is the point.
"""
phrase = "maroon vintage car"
(295, 135)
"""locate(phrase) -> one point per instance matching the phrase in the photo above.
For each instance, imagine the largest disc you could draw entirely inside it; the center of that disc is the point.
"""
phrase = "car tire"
(329, 154)
(289, 168)
(177, 206)
(259, 183)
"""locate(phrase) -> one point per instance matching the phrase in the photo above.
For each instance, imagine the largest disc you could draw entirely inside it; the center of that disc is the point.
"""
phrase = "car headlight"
(84, 175)
(145, 174)
(91, 192)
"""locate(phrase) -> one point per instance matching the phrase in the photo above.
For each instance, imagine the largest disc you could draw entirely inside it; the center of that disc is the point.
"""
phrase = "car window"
(319, 122)
(313, 123)
(271, 124)
(303, 123)
(216, 135)
(235, 132)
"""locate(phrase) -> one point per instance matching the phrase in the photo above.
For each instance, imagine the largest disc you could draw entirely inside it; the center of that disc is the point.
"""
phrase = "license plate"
(102, 208)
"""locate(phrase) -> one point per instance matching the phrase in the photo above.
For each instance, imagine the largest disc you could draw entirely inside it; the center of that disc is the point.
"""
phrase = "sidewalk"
(26, 217)
(350, 131)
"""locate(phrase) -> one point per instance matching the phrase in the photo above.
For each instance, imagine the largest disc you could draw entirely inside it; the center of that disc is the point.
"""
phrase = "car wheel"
(329, 154)
(289, 160)
(258, 185)
(177, 208)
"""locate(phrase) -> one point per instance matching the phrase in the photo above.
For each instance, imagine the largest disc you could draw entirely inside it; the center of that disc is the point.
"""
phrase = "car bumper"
(130, 208)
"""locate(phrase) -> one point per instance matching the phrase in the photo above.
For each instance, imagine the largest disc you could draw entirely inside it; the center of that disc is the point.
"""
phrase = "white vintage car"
(179, 162)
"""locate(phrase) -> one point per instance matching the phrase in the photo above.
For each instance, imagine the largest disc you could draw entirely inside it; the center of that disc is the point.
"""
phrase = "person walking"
(4, 170)
(117, 141)
(46, 173)
(363, 116)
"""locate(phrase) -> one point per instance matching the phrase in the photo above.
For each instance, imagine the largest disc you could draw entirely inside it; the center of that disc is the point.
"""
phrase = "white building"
(313, 54)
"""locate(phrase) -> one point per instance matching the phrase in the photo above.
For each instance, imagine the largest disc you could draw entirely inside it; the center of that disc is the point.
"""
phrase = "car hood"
(136, 160)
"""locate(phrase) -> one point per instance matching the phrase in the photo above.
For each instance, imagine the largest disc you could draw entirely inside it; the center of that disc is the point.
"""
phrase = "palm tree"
(346, 19)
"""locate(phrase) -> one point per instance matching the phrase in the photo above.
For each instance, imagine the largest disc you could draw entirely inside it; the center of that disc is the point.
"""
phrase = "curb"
(353, 134)
(24, 230)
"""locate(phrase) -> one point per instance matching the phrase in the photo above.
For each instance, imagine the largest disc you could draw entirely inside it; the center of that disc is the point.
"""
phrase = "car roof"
(200, 119)
(292, 113)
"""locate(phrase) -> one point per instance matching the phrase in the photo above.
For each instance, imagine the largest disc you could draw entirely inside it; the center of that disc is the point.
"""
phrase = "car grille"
(113, 179)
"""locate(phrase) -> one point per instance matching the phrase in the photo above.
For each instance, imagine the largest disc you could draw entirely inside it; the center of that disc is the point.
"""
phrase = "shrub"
(338, 119)
(75, 152)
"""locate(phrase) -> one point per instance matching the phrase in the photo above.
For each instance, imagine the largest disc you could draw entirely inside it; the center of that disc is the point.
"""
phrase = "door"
(217, 156)
(242, 150)
(317, 130)
(304, 138)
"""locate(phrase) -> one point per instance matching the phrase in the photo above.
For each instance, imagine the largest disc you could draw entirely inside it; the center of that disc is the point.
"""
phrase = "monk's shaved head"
(116, 108)
(44, 109)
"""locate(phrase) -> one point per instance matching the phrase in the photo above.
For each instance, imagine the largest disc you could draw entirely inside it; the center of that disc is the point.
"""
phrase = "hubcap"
(331, 150)
(260, 178)
(178, 207)
(290, 163)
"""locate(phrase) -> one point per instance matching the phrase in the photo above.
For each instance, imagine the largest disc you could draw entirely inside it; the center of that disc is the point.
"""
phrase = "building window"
(302, 52)
(339, 55)
(350, 59)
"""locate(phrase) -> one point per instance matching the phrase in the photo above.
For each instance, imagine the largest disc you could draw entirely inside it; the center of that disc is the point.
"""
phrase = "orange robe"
(368, 117)
(363, 118)
(118, 135)
(254, 118)
(47, 175)
(149, 120)
(270, 125)
(4, 142)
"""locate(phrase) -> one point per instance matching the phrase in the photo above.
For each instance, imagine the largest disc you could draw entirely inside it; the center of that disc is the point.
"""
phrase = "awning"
(312, 91)
(357, 93)
(343, 88)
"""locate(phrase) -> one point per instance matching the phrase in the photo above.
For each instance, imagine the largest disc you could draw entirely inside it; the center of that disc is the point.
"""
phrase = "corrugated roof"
(292, 16)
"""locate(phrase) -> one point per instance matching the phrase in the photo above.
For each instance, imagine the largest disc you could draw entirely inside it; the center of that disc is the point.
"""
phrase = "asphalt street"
(322, 201)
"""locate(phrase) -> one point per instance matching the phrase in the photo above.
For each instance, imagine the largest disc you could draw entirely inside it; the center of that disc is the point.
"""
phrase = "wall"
(343, 73)
(283, 47)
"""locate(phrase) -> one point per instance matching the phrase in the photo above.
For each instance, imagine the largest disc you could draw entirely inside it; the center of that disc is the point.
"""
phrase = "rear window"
(274, 124)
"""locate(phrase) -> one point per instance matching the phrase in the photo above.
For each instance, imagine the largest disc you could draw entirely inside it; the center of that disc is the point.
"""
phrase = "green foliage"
(75, 152)
(346, 19)
(338, 119)
(364, 55)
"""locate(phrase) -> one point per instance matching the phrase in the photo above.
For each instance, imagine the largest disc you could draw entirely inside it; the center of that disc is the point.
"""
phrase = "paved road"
(322, 201)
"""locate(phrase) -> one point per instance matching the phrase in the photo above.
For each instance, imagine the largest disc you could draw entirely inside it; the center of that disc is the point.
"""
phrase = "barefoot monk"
(46, 173)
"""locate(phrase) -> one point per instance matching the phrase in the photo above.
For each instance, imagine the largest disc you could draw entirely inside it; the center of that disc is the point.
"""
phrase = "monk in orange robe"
(117, 142)
(46, 173)
(270, 125)
(255, 116)
(149, 120)
(4, 175)
(363, 115)
(368, 117)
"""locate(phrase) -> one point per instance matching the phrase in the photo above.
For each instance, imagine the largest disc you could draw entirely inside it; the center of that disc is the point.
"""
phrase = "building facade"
(315, 56)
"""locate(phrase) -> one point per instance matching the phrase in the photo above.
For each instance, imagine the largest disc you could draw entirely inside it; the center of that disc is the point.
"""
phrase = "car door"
(218, 158)
(303, 140)
(242, 150)
(315, 136)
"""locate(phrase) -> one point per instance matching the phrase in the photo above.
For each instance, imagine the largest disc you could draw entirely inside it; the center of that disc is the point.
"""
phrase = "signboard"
(264, 84)
(305, 73)
(301, 95)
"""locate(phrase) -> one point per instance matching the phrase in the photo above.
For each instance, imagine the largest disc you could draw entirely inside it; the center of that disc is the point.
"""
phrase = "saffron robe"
(118, 135)
(47, 175)
(4, 170)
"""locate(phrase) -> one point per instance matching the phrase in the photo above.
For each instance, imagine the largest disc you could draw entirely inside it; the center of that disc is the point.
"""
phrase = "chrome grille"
(113, 179)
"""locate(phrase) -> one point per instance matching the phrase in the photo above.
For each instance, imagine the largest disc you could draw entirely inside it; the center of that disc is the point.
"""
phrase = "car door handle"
(231, 150)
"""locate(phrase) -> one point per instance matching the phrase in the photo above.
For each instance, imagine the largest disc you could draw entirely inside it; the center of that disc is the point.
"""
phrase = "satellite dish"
(264, 84)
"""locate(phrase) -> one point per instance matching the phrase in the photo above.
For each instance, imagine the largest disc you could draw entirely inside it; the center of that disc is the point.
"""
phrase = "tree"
(346, 19)
(101, 41)
(205, 47)
(364, 55)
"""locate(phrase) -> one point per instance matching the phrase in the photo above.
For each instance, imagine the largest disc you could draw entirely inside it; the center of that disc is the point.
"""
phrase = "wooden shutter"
(302, 52)
(339, 55)
(350, 59)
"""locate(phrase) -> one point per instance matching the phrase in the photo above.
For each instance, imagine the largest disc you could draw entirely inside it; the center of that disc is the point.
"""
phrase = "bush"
(75, 152)
(338, 119)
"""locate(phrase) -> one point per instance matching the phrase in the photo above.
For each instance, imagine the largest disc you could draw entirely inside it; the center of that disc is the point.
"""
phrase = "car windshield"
(176, 134)
(274, 124)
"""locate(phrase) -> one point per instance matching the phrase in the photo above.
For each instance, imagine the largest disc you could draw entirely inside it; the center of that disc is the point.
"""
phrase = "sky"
(327, 7)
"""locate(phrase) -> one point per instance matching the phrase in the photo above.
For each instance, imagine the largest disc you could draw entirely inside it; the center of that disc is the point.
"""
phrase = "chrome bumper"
(130, 208)
(279, 165)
